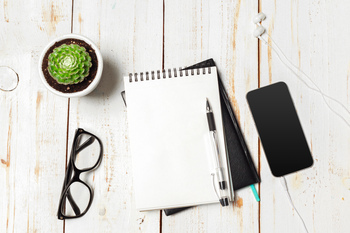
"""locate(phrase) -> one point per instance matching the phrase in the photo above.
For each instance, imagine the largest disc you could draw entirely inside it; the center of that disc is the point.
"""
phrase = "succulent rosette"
(69, 64)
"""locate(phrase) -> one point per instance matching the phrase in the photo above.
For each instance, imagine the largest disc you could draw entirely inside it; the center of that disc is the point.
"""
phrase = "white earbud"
(260, 17)
(259, 31)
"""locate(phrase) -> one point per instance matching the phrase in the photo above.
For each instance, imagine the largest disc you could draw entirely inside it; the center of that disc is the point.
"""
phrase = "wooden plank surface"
(36, 127)
(313, 37)
(198, 30)
(33, 122)
(129, 34)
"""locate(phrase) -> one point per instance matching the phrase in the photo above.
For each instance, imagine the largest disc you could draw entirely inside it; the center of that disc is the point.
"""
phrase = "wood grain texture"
(314, 37)
(136, 36)
(195, 31)
(33, 121)
(129, 34)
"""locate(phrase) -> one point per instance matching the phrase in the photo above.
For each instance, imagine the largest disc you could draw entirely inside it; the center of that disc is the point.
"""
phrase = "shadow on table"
(109, 82)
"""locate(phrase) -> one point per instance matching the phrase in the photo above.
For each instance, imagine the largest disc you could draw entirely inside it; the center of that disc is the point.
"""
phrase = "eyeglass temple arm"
(72, 203)
(69, 195)
(87, 143)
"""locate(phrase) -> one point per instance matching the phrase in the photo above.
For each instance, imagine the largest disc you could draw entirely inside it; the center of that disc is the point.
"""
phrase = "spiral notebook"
(241, 166)
(169, 137)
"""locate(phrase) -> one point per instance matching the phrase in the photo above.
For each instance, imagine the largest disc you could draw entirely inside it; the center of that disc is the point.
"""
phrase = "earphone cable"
(285, 187)
(302, 72)
(298, 76)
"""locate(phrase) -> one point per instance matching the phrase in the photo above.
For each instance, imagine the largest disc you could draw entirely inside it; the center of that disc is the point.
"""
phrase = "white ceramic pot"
(94, 82)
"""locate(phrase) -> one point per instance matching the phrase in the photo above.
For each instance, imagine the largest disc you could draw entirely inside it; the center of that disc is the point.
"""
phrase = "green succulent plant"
(69, 64)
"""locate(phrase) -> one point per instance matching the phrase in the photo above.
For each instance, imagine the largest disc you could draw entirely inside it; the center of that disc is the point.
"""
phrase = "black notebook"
(242, 168)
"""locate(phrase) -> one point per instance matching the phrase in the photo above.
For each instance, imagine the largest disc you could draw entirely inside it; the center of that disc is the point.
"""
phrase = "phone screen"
(279, 129)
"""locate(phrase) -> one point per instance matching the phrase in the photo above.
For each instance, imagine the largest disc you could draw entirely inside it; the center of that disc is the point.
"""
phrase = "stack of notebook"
(169, 138)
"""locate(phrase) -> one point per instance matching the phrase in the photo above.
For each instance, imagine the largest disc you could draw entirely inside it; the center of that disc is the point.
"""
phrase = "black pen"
(218, 170)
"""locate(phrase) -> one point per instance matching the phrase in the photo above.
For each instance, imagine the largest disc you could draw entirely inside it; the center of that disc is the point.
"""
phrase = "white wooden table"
(36, 127)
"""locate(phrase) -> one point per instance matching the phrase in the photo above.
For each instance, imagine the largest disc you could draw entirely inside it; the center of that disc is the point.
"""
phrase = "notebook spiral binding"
(169, 73)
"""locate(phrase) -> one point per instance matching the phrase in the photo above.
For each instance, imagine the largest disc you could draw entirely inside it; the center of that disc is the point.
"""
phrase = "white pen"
(218, 170)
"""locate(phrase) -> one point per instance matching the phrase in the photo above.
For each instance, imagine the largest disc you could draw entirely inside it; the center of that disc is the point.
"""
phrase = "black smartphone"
(279, 129)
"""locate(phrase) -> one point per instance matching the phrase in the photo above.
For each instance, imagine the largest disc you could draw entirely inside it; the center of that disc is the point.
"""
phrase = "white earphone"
(259, 17)
(260, 30)
(258, 33)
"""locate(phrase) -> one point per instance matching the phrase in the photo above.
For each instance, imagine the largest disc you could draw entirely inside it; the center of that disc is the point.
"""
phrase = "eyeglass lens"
(87, 151)
(81, 196)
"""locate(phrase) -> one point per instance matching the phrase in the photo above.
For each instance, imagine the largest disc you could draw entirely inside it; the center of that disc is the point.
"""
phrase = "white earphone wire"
(289, 65)
(285, 187)
(302, 72)
(317, 89)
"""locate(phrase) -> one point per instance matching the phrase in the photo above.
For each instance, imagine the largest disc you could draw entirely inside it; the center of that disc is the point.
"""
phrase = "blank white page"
(169, 139)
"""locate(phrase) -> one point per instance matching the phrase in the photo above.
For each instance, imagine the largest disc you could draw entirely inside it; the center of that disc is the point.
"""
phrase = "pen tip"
(207, 105)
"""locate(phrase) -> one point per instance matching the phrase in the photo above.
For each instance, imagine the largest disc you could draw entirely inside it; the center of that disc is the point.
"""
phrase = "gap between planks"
(163, 45)
(259, 152)
(64, 221)
(68, 110)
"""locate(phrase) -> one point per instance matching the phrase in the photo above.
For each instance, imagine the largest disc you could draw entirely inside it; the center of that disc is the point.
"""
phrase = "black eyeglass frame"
(73, 170)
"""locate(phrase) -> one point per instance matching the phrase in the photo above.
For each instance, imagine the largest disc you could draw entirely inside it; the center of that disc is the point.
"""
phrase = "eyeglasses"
(86, 155)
